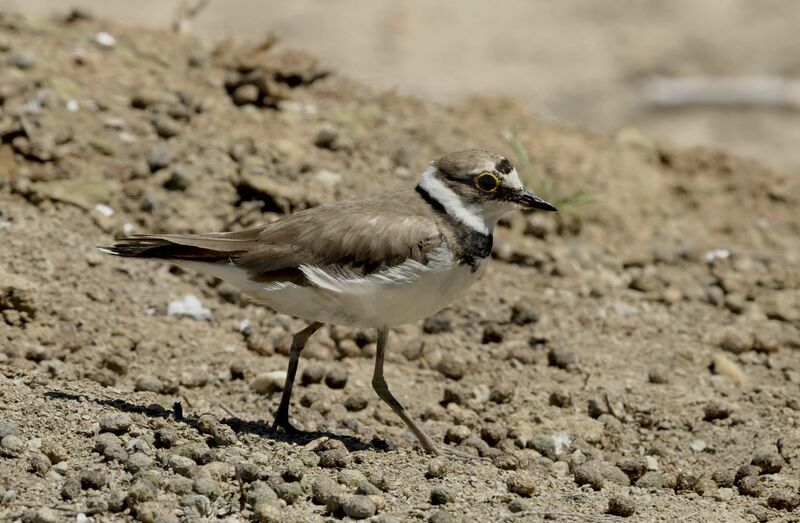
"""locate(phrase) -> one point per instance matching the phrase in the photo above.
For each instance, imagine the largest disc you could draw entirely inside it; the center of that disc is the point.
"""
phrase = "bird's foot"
(283, 423)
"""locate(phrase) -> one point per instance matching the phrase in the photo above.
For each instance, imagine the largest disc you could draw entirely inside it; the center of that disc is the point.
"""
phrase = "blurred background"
(717, 72)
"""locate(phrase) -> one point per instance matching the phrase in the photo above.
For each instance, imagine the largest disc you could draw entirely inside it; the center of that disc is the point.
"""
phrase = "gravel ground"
(633, 356)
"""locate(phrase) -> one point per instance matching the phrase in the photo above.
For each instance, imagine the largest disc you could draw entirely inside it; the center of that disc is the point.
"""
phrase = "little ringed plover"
(378, 262)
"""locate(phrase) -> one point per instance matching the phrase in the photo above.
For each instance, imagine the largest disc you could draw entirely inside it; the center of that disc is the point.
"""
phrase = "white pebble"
(127, 228)
(105, 210)
(72, 106)
(269, 381)
(717, 254)
(190, 307)
(697, 445)
(104, 39)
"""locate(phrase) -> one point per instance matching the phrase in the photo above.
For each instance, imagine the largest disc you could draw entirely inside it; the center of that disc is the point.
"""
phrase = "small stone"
(522, 484)
(336, 377)
(716, 411)
(442, 496)
(634, 468)
(327, 138)
(658, 376)
(165, 126)
(8, 429)
(456, 434)
(783, 500)
(493, 434)
(260, 493)
(159, 158)
(138, 462)
(736, 340)
(267, 512)
(523, 313)
(501, 392)
(115, 422)
(517, 505)
(437, 468)
(562, 358)
(246, 94)
(751, 486)
(294, 471)
(261, 345)
(768, 459)
(452, 367)
(42, 515)
(442, 516)
(93, 479)
(207, 487)
(654, 480)
(367, 489)
(622, 506)
(589, 473)
(140, 492)
(492, 334)
(178, 180)
(351, 477)
(165, 438)
(289, 492)
(359, 507)
(355, 402)
(110, 447)
(723, 494)
(313, 373)
(148, 383)
(561, 399)
(334, 458)
(438, 323)
(551, 445)
(698, 445)
(181, 465)
(724, 477)
(22, 60)
(269, 382)
(324, 490)
(12, 446)
(71, 489)
(725, 366)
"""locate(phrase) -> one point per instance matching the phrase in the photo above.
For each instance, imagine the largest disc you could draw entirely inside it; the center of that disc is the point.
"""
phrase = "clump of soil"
(642, 361)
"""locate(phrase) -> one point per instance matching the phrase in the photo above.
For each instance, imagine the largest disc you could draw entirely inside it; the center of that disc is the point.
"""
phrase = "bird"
(373, 263)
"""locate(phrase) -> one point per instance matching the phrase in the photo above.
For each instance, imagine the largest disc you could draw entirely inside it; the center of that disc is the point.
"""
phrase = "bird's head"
(478, 183)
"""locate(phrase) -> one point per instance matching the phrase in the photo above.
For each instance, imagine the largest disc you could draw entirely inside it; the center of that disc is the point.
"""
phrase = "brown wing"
(364, 235)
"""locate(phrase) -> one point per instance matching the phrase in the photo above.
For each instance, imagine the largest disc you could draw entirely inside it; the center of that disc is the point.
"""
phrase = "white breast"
(401, 294)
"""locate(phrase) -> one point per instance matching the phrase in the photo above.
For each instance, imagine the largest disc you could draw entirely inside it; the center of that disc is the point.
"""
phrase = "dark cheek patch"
(504, 166)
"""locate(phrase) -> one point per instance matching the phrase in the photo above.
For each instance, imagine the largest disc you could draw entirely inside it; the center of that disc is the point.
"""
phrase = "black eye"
(487, 182)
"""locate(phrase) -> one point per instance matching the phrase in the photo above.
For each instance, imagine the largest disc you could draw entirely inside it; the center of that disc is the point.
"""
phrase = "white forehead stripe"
(451, 202)
(513, 181)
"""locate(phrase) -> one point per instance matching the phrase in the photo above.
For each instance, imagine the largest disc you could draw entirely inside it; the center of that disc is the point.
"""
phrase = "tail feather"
(206, 248)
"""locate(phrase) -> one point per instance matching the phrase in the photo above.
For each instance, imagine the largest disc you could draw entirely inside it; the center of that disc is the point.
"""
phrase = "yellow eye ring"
(487, 182)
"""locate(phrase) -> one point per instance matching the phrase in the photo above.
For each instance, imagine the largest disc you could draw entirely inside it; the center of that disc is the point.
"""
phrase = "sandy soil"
(580, 62)
(633, 355)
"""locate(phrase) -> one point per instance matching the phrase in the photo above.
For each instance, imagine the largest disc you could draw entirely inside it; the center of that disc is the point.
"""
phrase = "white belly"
(402, 294)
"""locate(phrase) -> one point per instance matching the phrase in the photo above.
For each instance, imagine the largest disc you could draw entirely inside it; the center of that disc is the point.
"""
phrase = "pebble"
(442, 496)
(783, 500)
(562, 358)
(456, 434)
(94, 478)
(452, 367)
(23, 60)
(442, 516)
(12, 446)
(261, 345)
(355, 402)
(312, 373)
(589, 473)
(751, 486)
(289, 492)
(716, 410)
(523, 313)
(492, 334)
(501, 392)
(736, 340)
(552, 445)
(723, 494)
(561, 399)
(42, 515)
(437, 468)
(493, 434)
(109, 446)
(294, 471)
(139, 492)
(148, 383)
(38, 464)
(324, 490)
(351, 477)
(334, 458)
(359, 507)
(115, 422)
(71, 489)
(138, 462)
(8, 429)
(724, 477)
(165, 438)
(655, 480)
(768, 460)
(245, 94)
(159, 158)
(518, 505)
(178, 180)
(522, 484)
(658, 376)
(723, 365)
(634, 468)
(336, 377)
(622, 506)
(438, 323)
(267, 512)
(181, 465)
(367, 489)
(269, 382)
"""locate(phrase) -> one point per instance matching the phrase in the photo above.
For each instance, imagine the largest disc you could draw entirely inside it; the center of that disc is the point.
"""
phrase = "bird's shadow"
(238, 425)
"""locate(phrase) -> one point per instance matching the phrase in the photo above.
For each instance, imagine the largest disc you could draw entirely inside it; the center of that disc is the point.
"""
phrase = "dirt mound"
(636, 353)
